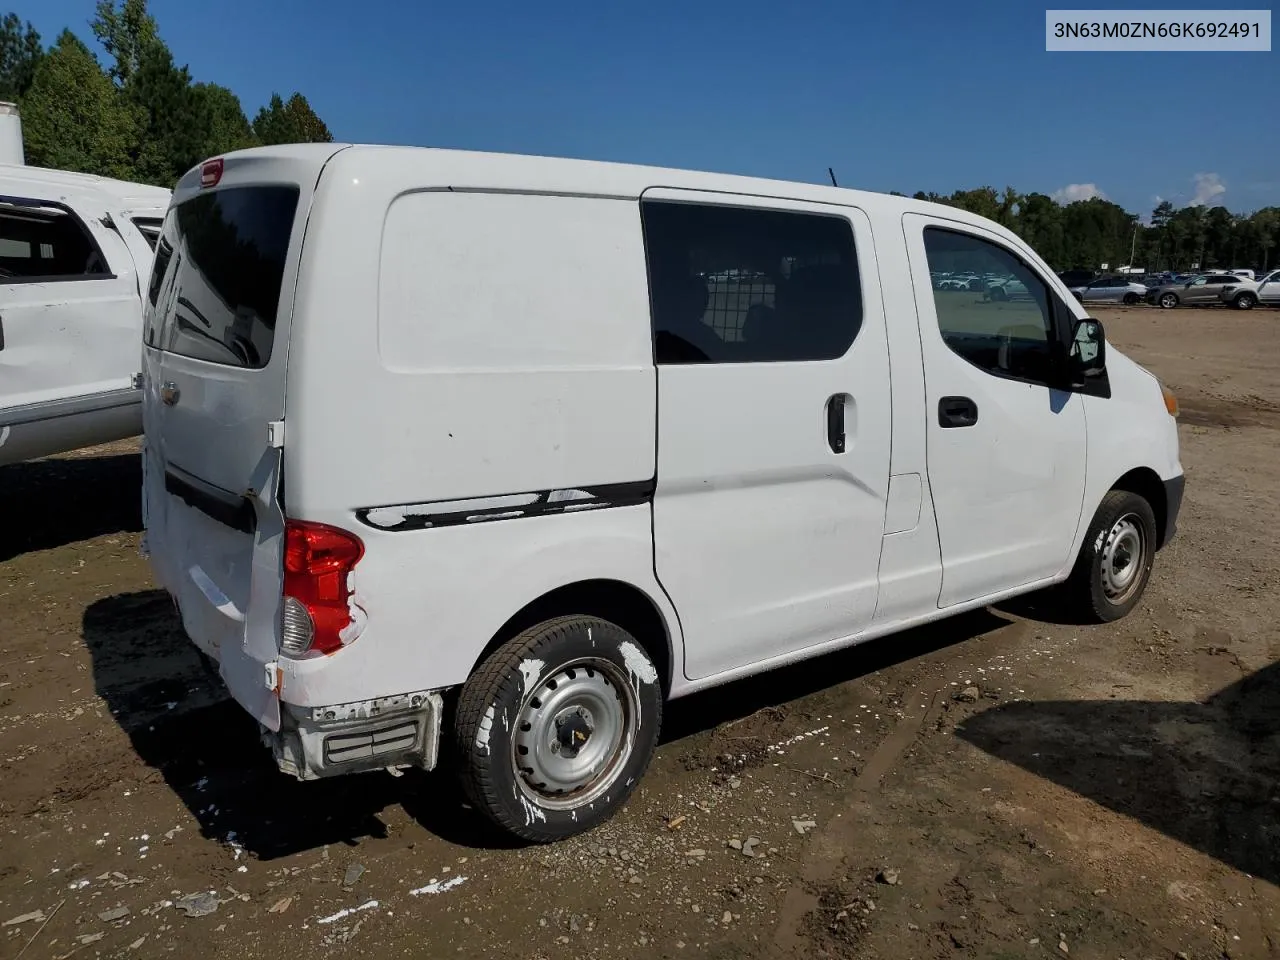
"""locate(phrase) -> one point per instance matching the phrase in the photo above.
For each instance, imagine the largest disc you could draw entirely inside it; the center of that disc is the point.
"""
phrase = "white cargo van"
(75, 258)
(508, 451)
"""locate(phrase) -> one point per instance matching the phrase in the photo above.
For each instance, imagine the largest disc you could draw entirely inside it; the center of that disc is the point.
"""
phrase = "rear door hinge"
(137, 381)
(275, 433)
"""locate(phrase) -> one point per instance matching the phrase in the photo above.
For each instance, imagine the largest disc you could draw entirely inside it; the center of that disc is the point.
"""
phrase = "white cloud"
(1209, 187)
(1078, 191)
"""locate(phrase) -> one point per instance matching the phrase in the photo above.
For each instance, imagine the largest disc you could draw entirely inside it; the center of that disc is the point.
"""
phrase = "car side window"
(746, 285)
(43, 240)
(1009, 334)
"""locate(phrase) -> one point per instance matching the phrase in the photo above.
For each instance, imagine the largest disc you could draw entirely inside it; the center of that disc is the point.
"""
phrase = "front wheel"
(1245, 301)
(1169, 300)
(557, 725)
(1115, 561)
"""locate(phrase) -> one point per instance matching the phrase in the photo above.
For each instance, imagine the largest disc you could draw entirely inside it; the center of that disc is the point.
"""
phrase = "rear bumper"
(399, 731)
(1173, 490)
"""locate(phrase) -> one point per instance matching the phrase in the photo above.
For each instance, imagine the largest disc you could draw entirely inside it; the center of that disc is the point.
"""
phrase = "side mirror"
(1088, 349)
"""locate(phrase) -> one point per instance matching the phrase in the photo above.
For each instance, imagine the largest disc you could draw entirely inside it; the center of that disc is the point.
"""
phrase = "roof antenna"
(832, 174)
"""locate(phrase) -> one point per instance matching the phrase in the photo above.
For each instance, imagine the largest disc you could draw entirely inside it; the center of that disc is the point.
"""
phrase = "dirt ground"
(1111, 792)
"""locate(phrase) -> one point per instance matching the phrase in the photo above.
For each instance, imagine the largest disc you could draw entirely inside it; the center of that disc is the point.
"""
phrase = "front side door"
(1005, 446)
(1200, 290)
(773, 422)
(70, 314)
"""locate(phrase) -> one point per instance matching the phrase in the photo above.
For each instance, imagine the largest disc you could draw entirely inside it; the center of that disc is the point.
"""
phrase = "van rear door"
(216, 345)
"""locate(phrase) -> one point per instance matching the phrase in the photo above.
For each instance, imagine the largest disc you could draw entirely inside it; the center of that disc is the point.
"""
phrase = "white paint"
(438, 886)
(797, 738)
(639, 667)
(359, 618)
(332, 918)
(530, 670)
(486, 727)
(532, 811)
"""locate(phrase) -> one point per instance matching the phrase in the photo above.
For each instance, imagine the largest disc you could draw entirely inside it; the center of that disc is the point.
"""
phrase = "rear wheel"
(1115, 561)
(1245, 301)
(1130, 299)
(557, 725)
(1168, 300)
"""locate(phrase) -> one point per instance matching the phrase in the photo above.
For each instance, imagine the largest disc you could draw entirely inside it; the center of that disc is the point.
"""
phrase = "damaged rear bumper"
(397, 731)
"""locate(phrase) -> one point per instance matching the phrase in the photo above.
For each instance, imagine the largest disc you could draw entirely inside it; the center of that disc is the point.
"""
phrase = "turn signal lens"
(1170, 401)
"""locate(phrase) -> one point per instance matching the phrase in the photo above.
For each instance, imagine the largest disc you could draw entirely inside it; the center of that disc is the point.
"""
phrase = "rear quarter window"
(229, 249)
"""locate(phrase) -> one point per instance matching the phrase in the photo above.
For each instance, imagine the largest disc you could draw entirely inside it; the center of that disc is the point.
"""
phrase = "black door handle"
(957, 412)
(835, 423)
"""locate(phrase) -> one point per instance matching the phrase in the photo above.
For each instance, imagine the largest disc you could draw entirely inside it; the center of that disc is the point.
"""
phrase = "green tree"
(984, 201)
(228, 128)
(73, 117)
(290, 122)
(173, 118)
(20, 53)
(127, 33)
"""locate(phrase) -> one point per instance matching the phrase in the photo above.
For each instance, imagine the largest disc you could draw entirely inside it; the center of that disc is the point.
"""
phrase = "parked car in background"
(1110, 290)
(1203, 289)
(75, 260)
(1247, 294)
(1269, 289)
(1077, 278)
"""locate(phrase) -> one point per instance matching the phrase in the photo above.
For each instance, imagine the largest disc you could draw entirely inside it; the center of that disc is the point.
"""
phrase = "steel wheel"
(1123, 556)
(575, 731)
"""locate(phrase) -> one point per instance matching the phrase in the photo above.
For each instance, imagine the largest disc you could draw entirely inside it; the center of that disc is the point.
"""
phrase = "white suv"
(75, 257)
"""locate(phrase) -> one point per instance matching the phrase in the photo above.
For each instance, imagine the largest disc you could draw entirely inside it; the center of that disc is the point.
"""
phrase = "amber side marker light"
(1170, 401)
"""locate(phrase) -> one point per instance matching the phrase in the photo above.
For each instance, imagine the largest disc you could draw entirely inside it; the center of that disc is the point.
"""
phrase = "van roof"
(68, 186)
(468, 168)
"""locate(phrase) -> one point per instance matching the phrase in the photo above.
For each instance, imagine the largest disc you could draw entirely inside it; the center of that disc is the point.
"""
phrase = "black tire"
(1085, 593)
(1245, 301)
(588, 654)
(1168, 300)
(1130, 299)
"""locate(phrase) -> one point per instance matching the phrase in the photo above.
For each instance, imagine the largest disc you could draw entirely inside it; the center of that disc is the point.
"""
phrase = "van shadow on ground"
(1206, 774)
(181, 723)
(50, 503)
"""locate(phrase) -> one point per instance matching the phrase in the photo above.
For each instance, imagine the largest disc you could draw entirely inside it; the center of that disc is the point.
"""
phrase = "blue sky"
(895, 96)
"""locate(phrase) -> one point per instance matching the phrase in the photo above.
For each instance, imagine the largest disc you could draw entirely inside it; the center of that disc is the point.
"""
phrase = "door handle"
(835, 423)
(957, 412)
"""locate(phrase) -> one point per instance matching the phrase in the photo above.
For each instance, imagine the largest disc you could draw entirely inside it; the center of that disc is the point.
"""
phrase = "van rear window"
(230, 248)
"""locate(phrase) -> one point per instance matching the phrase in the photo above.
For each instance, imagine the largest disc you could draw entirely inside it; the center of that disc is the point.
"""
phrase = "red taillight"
(318, 561)
(211, 173)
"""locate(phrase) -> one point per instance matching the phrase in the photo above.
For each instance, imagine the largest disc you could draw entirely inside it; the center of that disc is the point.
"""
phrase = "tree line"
(140, 116)
(143, 118)
(1085, 234)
